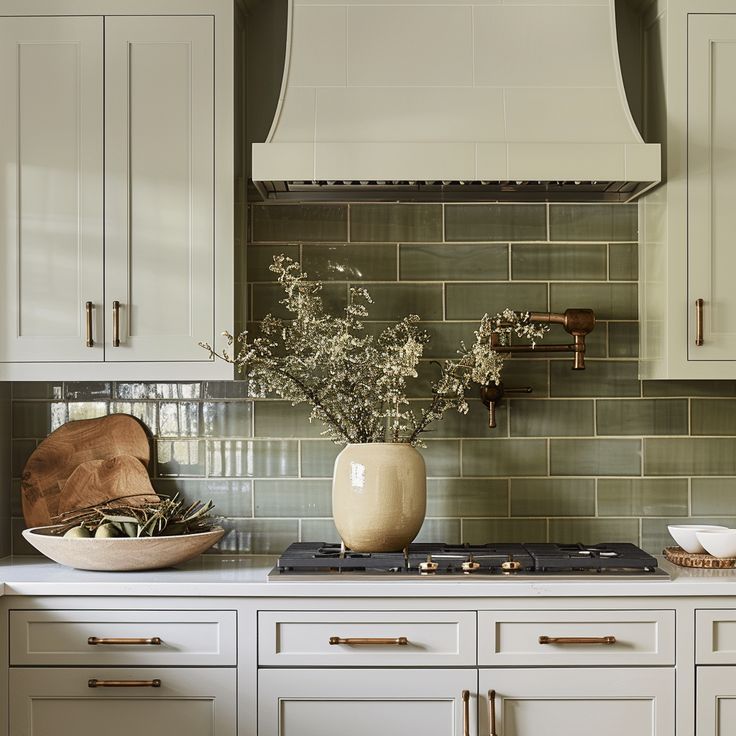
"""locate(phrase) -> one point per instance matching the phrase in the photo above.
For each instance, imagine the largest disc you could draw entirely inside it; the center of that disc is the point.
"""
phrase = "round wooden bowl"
(121, 553)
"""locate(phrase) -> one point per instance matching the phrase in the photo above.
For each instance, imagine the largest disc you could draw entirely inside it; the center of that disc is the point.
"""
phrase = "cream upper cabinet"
(687, 258)
(51, 195)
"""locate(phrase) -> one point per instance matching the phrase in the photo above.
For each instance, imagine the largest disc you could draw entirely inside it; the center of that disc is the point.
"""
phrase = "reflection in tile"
(180, 457)
(87, 409)
(293, 497)
(281, 419)
(319, 530)
(143, 410)
(37, 390)
(227, 419)
(249, 458)
(257, 536)
(231, 497)
(180, 419)
(89, 391)
(476, 262)
(350, 262)
(318, 458)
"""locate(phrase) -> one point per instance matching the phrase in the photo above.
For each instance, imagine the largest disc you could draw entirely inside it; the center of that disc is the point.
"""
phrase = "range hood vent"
(453, 101)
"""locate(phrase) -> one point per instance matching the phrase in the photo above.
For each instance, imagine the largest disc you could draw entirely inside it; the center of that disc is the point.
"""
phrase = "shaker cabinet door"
(716, 701)
(605, 701)
(711, 147)
(320, 702)
(51, 189)
(159, 196)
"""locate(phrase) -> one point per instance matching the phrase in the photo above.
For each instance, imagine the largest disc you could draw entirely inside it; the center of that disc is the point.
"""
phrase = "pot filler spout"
(463, 100)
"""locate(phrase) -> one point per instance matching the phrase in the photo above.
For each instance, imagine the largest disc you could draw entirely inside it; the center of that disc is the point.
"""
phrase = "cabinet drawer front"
(512, 638)
(715, 637)
(202, 638)
(187, 701)
(432, 638)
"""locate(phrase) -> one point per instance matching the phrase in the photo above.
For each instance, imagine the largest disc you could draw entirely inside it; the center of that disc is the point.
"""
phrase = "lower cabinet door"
(605, 701)
(94, 701)
(716, 708)
(377, 702)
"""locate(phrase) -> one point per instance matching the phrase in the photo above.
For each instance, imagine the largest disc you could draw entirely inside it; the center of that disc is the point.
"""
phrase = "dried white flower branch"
(355, 380)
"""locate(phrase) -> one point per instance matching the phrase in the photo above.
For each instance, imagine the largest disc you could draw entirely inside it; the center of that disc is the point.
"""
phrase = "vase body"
(379, 496)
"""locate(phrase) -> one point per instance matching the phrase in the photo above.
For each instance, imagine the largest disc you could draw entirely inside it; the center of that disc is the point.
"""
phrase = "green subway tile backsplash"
(582, 458)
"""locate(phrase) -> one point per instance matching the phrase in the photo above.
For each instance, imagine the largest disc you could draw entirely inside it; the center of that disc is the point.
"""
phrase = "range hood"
(453, 100)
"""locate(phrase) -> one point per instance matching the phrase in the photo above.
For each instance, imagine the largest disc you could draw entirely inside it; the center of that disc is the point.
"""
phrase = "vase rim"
(390, 444)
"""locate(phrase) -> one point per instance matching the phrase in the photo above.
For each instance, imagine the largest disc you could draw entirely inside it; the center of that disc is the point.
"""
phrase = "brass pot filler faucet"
(577, 322)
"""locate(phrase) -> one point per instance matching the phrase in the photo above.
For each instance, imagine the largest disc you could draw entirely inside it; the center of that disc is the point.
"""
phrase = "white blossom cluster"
(354, 379)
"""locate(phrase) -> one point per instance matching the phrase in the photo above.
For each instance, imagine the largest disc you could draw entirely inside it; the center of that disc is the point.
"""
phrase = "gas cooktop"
(612, 560)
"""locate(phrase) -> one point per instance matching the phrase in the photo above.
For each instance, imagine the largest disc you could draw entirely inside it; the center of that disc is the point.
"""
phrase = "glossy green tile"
(552, 497)
(551, 418)
(252, 458)
(463, 497)
(689, 388)
(550, 262)
(491, 222)
(472, 262)
(31, 419)
(655, 536)
(482, 531)
(87, 409)
(623, 339)
(713, 496)
(594, 531)
(319, 530)
(595, 457)
(642, 416)
(395, 223)
(321, 223)
(134, 391)
(714, 416)
(18, 544)
(145, 411)
(16, 506)
(394, 301)
(180, 457)
(534, 374)
(259, 260)
(642, 497)
(301, 497)
(442, 458)
(473, 424)
(318, 458)
(471, 301)
(596, 342)
(623, 262)
(179, 419)
(504, 457)
(20, 451)
(267, 300)
(440, 530)
(37, 390)
(692, 456)
(352, 262)
(257, 536)
(600, 378)
(608, 301)
(445, 337)
(593, 222)
(87, 391)
(281, 419)
(232, 497)
(226, 389)
(227, 419)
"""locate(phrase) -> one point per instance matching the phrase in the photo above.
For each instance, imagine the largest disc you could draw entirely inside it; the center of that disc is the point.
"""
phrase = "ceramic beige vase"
(379, 496)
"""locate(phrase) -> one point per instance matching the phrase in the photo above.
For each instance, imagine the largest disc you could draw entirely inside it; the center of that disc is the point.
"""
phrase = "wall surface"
(5, 437)
(588, 456)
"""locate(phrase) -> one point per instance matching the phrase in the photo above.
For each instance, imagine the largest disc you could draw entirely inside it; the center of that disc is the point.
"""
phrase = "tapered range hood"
(453, 100)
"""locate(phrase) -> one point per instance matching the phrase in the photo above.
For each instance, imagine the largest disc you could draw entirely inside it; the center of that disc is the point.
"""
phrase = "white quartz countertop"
(215, 576)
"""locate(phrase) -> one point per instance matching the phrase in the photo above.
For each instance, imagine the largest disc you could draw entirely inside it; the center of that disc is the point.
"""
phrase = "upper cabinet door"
(159, 195)
(51, 201)
(711, 147)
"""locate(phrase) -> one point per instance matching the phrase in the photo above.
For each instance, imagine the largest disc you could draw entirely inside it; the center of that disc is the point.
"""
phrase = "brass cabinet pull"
(699, 304)
(399, 641)
(466, 712)
(95, 640)
(123, 683)
(116, 324)
(492, 713)
(577, 639)
(88, 321)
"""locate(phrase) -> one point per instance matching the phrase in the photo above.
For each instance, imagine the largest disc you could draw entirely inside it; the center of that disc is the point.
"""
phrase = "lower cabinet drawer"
(366, 638)
(100, 637)
(715, 636)
(187, 702)
(564, 638)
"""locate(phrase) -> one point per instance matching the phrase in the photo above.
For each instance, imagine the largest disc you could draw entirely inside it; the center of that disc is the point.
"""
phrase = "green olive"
(78, 531)
(106, 531)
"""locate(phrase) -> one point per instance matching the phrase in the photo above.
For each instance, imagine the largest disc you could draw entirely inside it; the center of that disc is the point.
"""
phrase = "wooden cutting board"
(55, 459)
(98, 481)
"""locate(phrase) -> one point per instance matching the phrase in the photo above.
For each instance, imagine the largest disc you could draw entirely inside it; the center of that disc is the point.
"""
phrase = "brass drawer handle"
(699, 304)
(90, 343)
(116, 324)
(492, 713)
(577, 639)
(466, 712)
(95, 640)
(399, 641)
(123, 683)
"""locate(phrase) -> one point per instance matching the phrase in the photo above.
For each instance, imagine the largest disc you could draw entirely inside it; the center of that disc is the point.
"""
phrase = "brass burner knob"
(428, 566)
(470, 565)
(511, 565)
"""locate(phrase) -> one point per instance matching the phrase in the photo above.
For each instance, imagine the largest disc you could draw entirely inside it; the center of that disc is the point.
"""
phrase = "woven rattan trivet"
(688, 559)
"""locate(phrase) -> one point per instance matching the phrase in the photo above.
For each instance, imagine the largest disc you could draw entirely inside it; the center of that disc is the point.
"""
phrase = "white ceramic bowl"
(121, 553)
(720, 544)
(685, 535)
